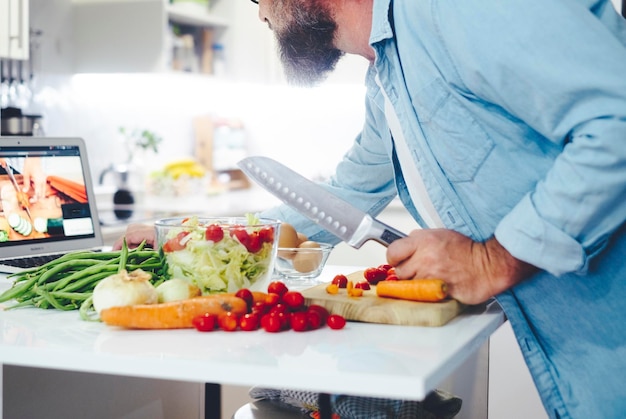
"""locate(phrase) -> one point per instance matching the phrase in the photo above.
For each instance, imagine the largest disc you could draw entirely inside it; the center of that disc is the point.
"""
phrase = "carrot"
(332, 289)
(172, 315)
(430, 289)
(257, 296)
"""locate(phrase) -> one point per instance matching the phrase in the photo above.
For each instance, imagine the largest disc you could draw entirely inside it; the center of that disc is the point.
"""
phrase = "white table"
(400, 362)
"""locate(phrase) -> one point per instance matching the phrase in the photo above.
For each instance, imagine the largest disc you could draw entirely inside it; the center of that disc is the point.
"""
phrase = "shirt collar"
(381, 26)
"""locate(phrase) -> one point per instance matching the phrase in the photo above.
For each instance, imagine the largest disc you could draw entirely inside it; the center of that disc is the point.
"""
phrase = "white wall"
(308, 129)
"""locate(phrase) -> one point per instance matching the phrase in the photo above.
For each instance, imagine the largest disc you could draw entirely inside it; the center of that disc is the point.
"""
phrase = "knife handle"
(389, 236)
(385, 234)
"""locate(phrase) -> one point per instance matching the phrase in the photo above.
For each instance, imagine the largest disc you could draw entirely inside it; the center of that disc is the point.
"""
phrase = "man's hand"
(135, 235)
(473, 271)
(33, 172)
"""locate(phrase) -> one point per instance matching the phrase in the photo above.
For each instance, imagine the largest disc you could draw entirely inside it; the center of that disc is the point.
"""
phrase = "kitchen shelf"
(140, 41)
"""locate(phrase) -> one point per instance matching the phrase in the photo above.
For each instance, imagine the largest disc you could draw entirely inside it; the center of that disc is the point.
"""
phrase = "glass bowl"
(301, 265)
(219, 254)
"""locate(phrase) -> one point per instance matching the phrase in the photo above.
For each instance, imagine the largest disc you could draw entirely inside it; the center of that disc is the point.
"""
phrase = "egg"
(307, 260)
(302, 238)
(287, 238)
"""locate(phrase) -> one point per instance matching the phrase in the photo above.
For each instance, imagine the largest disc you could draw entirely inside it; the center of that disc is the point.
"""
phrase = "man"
(502, 128)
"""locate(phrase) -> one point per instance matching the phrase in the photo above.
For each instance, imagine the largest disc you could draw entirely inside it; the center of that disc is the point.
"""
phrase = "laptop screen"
(46, 198)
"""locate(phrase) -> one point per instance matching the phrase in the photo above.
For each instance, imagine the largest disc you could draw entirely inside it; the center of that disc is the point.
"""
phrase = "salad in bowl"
(220, 254)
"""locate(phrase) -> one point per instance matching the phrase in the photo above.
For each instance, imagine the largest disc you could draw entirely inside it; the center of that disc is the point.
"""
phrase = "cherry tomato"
(293, 299)
(205, 322)
(246, 295)
(176, 243)
(260, 307)
(241, 234)
(336, 322)
(271, 323)
(249, 322)
(214, 233)
(279, 308)
(299, 321)
(340, 280)
(314, 319)
(363, 285)
(255, 244)
(271, 299)
(266, 234)
(285, 319)
(374, 275)
(228, 321)
(385, 267)
(322, 311)
(392, 277)
(277, 287)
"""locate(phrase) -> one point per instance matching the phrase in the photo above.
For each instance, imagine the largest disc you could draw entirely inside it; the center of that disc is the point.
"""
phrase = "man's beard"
(306, 44)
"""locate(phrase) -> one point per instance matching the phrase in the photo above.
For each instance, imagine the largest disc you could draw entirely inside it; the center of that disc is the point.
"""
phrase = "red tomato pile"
(380, 273)
(371, 276)
(280, 310)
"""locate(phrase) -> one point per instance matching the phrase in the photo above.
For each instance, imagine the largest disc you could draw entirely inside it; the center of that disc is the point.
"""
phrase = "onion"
(124, 289)
(176, 289)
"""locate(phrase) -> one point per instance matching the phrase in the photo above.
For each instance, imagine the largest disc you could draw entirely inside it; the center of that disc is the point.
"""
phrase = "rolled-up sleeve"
(564, 76)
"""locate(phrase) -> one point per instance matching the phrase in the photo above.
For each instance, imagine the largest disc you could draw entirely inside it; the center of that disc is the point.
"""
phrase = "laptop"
(57, 214)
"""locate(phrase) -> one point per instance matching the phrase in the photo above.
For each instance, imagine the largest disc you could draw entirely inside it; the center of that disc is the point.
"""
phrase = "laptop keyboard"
(31, 262)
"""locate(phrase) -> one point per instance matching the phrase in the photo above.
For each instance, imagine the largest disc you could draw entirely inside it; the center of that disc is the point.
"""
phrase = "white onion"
(124, 289)
(176, 289)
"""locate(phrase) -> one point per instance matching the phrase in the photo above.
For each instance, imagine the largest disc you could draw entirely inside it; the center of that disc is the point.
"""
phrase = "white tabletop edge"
(363, 359)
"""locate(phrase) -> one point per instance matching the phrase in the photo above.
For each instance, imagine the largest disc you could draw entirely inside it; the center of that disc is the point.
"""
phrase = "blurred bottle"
(219, 60)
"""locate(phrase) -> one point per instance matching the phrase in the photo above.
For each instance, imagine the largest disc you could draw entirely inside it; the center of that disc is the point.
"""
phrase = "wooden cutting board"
(373, 309)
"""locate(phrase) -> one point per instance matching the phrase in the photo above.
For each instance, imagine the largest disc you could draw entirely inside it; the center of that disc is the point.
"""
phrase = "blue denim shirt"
(515, 115)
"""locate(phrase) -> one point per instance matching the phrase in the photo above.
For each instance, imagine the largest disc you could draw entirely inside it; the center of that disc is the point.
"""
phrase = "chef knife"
(334, 214)
(22, 198)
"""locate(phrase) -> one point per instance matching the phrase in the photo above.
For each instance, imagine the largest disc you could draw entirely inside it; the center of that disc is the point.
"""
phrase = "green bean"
(67, 283)
(89, 280)
(85, 310)
(88, 270)
(74, 296)
(15, 291)
(65, 267)
(53, 301)
(27, 303)
(123, 257)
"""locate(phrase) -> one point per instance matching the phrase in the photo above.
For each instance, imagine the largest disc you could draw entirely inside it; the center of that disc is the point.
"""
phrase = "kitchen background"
(86, 85)
(96, 66)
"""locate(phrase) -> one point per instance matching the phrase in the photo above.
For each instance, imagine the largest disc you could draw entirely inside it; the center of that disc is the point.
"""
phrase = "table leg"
(212, 401)
(326, 410)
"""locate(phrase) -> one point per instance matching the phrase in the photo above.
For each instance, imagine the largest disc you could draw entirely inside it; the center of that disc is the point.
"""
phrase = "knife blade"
(22, 198)
(329, 211)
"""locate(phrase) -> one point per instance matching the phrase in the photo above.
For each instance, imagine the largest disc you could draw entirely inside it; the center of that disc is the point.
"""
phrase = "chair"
(262, 409)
